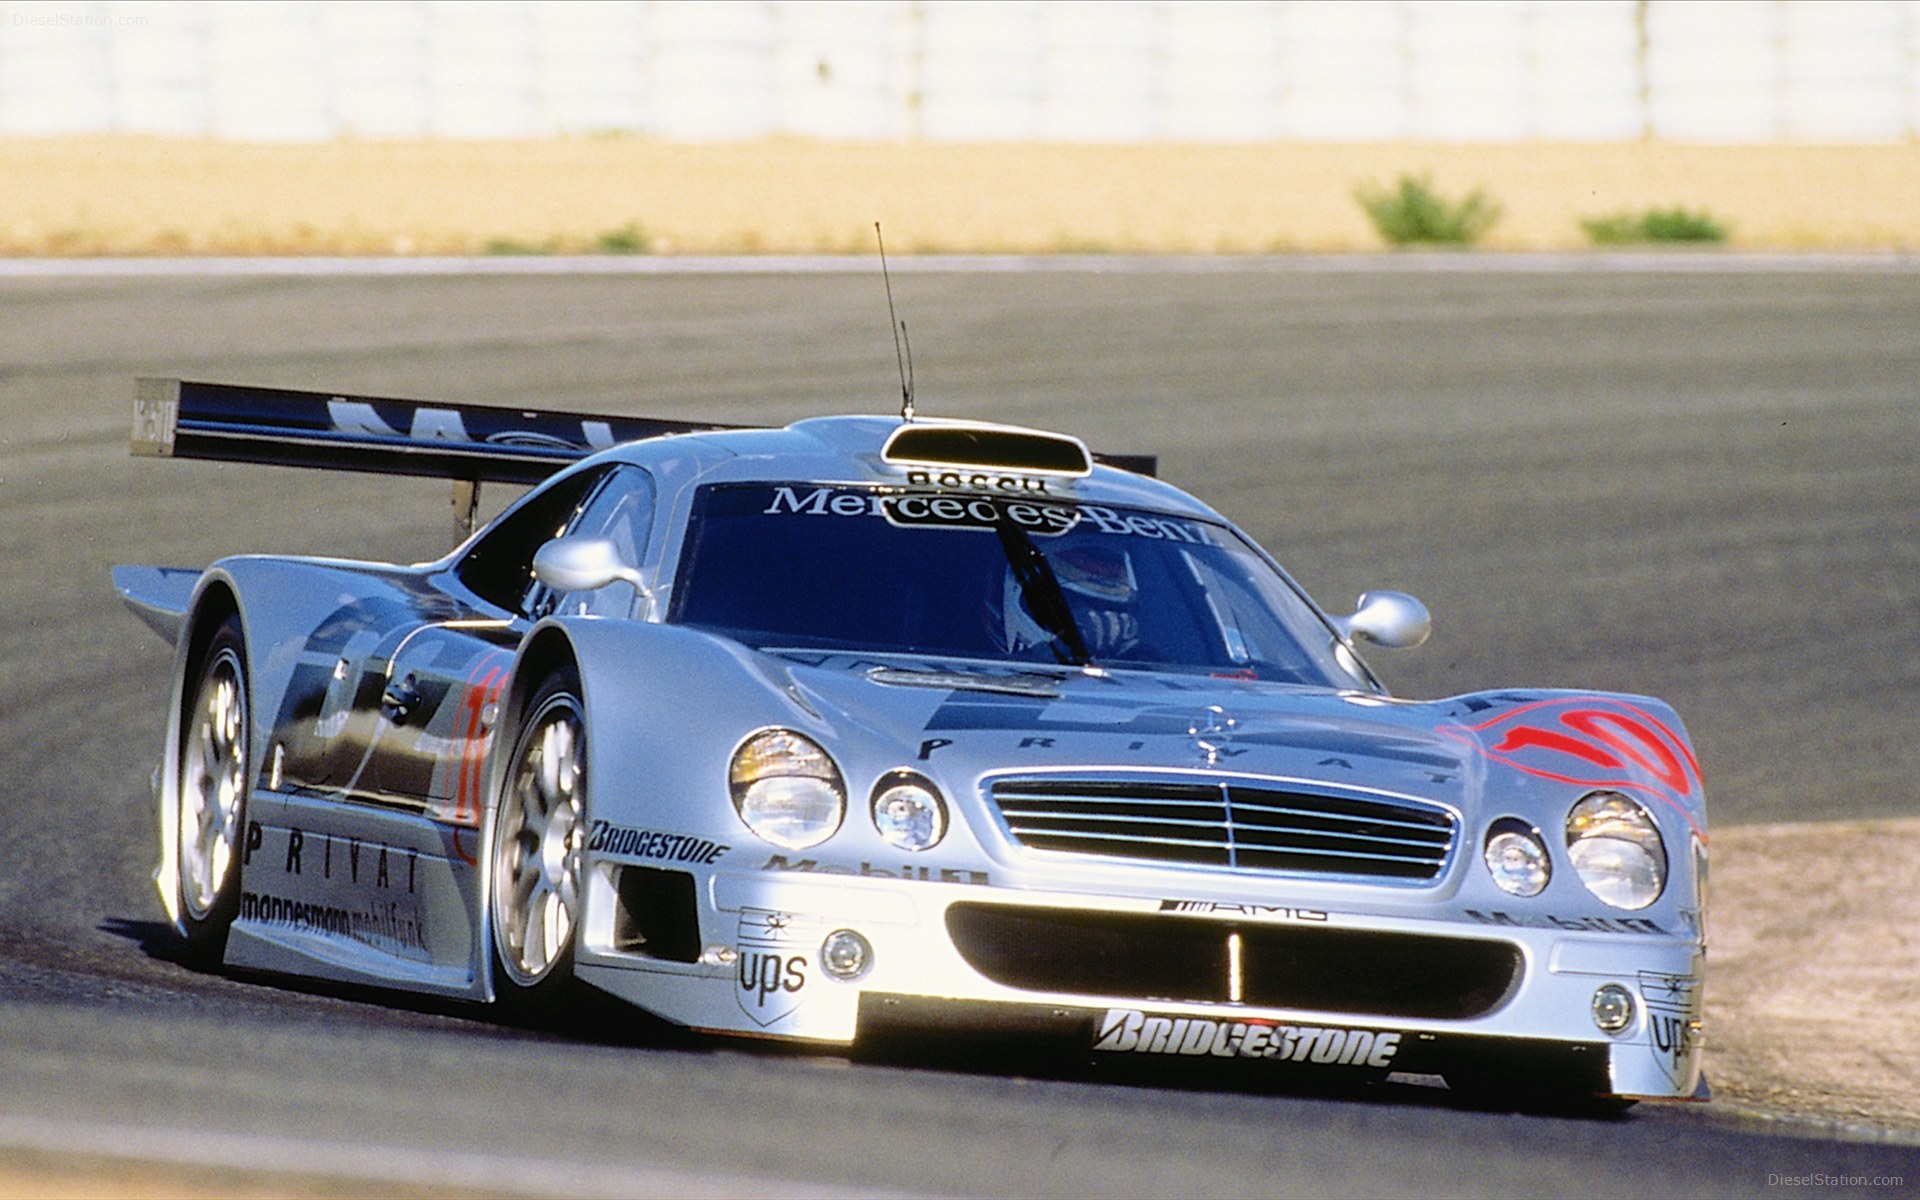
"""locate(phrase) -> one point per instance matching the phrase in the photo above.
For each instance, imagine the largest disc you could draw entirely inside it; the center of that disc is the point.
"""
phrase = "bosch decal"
(979, 481)
(1130, 1031)
(623, 841)
(771, 972)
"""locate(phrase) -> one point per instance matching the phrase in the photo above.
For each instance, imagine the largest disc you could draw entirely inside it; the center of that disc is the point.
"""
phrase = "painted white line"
(385, 1165)
(1683, 262)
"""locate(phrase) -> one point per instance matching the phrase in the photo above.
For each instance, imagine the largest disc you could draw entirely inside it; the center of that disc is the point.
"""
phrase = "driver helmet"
(1099, 584)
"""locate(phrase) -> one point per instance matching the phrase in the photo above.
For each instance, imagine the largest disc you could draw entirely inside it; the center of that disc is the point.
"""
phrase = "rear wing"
(470, 444)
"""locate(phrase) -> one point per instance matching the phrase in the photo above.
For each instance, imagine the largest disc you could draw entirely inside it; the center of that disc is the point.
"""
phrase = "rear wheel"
(213, 795)
(540, 830)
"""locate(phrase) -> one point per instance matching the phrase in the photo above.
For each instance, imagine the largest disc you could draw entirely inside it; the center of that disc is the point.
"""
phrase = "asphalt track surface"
(1701, 485)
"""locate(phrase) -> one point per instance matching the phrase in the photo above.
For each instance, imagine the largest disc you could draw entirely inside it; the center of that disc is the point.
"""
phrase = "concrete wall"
(958, 70)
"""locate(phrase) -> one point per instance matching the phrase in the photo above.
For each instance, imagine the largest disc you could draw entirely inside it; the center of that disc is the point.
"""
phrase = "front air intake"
(1150, 956)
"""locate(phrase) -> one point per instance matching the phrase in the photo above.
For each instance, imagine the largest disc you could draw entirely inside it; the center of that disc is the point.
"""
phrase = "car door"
(391, 707)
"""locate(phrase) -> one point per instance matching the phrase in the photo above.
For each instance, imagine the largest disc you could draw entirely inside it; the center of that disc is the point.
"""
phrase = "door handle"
(399, 700)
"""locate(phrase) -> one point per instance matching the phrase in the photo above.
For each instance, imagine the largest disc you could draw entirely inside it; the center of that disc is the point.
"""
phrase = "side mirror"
(583, 564)
(1391, 619)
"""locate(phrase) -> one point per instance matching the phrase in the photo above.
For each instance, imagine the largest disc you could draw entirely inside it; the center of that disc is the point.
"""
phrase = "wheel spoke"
(535, 952)
(212, 785)
(537, 860)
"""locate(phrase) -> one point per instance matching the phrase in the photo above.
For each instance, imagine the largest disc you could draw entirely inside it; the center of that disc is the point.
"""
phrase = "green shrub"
(628, 239)
(1412, 213)
(512, 246)
(1654, 225)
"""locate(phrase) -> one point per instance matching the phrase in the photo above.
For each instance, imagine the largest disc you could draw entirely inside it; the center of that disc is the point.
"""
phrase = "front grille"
(1136, 956)
(1229, 824)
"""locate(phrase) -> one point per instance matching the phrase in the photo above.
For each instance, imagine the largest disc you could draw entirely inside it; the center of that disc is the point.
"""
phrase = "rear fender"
(280, 603)
(212, 601)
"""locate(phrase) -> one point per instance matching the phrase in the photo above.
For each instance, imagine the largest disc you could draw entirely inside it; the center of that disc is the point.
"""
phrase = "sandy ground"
(125, 195)
(1813, 970)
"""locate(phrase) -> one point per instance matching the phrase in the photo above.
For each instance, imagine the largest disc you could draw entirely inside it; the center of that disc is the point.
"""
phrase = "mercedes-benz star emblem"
(1212, 732)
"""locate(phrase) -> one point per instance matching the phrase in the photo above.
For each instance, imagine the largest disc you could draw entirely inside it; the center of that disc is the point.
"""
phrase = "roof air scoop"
(958, 445)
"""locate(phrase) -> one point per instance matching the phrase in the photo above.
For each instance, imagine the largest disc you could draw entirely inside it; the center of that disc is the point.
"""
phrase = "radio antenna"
(902, 347)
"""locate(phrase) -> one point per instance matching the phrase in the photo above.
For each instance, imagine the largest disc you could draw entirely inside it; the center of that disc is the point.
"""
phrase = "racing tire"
(211, 791)
(539, 836)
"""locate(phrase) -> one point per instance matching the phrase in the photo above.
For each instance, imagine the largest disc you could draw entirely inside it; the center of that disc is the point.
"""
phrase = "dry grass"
(124, 195)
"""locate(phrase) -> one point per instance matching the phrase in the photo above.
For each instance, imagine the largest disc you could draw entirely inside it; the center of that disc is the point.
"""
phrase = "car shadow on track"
(1073, 1064)
(587, 1015)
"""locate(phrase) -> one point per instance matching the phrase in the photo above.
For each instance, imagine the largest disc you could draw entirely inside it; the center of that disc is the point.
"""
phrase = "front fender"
(666, 706)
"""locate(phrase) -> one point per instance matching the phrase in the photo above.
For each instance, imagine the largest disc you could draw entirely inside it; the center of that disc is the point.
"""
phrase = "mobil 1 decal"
(1673, 1021)
(776, 950)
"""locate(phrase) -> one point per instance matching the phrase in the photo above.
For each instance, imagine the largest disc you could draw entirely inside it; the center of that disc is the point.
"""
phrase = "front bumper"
(1127, 980)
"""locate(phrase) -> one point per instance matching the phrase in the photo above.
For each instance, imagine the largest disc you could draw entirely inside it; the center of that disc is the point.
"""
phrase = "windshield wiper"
(1041, 592)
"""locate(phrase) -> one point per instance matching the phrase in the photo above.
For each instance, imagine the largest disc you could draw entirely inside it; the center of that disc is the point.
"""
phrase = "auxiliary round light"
(845, 954)
(787, 789)
(1612, 1008)
(1516, 857)
(1617, 850)
(908, 812)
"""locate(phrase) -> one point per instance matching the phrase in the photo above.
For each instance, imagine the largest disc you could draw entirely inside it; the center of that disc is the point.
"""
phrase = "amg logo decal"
(1129, 1031)
(1262, 912)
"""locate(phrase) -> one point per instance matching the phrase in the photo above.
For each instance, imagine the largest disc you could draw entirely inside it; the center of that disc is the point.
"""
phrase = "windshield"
(867, 569)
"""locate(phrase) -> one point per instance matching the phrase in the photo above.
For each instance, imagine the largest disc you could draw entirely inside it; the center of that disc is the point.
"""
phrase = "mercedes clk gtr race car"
(872, 727)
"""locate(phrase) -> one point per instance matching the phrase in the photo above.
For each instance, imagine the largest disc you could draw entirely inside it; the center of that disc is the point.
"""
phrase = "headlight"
(1616, 849)
(1517, 858)
(908, 812)
(787, 789)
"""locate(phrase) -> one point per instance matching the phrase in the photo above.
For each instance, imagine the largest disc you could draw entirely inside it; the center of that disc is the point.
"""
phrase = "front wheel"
(212, 794)
(539, 835)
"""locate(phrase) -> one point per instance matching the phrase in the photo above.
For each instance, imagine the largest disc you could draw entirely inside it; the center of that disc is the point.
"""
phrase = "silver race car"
(882, 728)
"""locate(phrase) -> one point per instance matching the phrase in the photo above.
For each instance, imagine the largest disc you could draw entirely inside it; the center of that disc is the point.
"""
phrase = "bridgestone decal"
(627, 842)
(1129, 1031)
